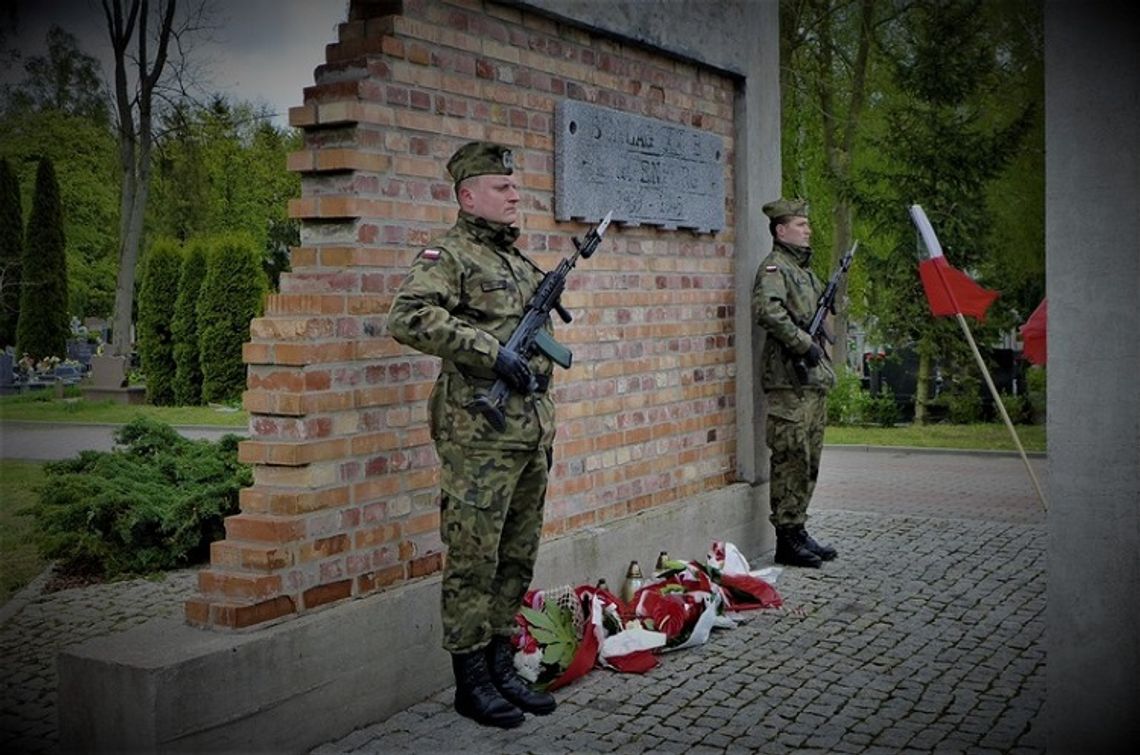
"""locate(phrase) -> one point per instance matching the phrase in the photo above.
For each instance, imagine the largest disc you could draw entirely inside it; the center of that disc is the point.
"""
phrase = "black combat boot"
(476, 696)
(791, 549)
(501, 665)
(825, 552)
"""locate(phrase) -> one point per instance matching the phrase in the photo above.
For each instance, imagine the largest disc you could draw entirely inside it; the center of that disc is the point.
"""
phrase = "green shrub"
(157, 296)
(1035, 393)
(155, 502)
(232, 294)
(964, 402)
(847, 403)
(882, 409)
(1016, 407)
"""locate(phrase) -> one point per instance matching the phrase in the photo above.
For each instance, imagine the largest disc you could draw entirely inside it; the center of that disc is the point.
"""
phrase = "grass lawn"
(37, 407)
(19, 561)
(979, 437)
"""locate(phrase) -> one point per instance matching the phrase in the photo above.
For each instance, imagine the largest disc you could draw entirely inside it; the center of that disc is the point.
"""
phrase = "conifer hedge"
(233, 293)
(187, 361)
(44, 325)
(157, 296)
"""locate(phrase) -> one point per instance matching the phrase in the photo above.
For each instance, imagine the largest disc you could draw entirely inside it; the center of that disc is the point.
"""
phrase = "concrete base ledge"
(167, 687)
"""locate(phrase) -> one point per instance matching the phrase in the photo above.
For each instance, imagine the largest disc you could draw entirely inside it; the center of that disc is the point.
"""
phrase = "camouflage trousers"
(795, 438)
(491, 521)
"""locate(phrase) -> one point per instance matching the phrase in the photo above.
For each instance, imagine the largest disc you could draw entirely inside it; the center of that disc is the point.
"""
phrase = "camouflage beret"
(784, 207)
(480, 159)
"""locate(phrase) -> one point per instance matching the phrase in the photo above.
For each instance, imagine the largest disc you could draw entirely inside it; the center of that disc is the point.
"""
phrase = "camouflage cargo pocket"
(785, 405)
(475, 477)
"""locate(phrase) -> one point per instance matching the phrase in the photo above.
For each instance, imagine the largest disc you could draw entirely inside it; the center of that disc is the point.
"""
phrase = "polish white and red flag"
(949, 290)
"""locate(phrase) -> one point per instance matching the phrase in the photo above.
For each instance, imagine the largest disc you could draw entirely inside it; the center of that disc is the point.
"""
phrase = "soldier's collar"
(802, 254)
(499, 234)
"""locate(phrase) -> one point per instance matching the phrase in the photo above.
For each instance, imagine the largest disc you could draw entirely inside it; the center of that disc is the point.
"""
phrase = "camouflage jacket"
(784, 299)
(463, 296)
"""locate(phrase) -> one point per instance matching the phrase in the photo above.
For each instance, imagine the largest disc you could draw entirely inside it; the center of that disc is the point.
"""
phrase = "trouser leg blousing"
(475, 694)
(500, 662)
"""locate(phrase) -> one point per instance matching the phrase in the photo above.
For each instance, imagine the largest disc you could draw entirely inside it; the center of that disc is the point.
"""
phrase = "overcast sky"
(263, 51)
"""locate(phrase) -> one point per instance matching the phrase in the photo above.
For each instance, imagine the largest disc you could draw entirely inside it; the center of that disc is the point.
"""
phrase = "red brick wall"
(344, 501)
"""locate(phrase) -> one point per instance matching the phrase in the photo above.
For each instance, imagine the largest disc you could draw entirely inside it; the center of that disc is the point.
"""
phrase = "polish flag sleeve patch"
(430, 254)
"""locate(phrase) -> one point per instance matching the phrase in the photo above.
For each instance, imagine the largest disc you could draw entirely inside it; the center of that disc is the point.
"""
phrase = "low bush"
(847, 401)
(849, 404)
(155, 502)
(882, 409)
(1016, 407)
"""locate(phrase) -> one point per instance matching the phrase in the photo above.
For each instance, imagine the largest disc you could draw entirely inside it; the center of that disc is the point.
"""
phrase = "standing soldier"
(461, 300)
(784, 299)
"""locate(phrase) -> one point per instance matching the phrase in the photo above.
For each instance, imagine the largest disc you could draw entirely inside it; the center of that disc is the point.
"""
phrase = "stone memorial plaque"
(649, 172)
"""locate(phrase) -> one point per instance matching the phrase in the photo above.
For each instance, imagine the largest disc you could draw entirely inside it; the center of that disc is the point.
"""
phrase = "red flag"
(949, 291)
(1034, 334)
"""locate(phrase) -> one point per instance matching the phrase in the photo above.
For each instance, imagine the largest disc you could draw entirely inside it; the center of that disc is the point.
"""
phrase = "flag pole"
(1000, 406)
(931, 242)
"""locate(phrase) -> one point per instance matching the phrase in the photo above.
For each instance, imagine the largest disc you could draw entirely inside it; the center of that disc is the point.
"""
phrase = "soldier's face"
(796, 232)
(495, 198)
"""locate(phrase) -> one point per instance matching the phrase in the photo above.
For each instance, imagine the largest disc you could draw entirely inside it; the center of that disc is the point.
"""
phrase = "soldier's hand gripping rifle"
(530, 336)
(816, 328)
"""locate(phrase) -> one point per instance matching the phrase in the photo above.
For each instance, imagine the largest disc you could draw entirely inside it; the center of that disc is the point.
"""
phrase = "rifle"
(816, 329)
(529, 336)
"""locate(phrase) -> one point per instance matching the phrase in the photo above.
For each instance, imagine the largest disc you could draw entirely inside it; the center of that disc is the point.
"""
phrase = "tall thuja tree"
(11, 251)
(233, 293)
(187, 360)
(943, 153)
(43, 324)
(157, 296)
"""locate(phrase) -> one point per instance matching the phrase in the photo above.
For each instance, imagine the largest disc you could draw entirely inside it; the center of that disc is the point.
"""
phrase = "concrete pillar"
(1093, 267)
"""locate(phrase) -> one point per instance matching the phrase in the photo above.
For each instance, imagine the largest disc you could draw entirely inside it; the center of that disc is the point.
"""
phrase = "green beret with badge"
(480, 159)
(782, 208)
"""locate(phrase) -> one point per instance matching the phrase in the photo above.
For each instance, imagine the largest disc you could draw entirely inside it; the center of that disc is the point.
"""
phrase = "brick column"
(343, 501)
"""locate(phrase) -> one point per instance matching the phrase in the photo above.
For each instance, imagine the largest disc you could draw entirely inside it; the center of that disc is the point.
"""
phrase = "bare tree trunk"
(135, 139)
(839, 134)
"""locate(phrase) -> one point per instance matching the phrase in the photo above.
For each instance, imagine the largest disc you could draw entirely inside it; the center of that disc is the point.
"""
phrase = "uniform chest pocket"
(493, 296)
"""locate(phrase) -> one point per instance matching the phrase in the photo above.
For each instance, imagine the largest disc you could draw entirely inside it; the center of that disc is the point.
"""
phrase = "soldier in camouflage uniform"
(784, 298)
(461, 300)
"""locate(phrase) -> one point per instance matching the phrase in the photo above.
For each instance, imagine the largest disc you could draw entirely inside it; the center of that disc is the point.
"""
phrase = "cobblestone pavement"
(926, 635)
